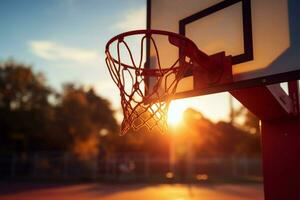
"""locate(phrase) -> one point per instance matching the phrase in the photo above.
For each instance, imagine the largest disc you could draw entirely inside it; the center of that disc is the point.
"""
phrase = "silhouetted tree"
(24, 107)
(221, 139)
(28, 122)
(251, 122)
(82, 116)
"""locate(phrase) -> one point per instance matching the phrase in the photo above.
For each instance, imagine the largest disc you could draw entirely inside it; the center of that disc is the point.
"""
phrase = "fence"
(125, 167)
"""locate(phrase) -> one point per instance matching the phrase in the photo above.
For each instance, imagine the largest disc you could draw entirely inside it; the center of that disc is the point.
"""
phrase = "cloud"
(132, 19)
(54, 51)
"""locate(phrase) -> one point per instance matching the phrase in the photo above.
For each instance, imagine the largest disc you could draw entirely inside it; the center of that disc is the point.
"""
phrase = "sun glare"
(175, 113)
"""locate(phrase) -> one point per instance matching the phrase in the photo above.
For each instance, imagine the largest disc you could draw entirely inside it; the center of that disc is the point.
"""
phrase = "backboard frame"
(247, 26)
(246, 56)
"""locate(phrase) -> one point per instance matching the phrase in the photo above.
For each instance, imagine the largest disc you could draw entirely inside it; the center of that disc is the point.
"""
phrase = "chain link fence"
(126, 167)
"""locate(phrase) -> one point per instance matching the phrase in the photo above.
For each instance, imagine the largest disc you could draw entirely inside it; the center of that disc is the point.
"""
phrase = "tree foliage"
(29, 122)
(82, 116)
(82, 122)
(220, 139)
(250, 123)
(23, 106)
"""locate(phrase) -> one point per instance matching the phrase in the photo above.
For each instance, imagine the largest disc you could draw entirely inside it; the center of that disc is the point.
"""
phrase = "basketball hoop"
(144, 106)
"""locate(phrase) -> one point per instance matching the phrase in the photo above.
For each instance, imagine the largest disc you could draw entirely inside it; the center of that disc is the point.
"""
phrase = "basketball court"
(130, 192)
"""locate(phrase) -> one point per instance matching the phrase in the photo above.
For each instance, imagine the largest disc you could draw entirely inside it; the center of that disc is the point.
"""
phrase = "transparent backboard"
(262, 36)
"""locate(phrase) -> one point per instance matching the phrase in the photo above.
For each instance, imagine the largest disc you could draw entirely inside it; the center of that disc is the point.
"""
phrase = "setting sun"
(176, 111)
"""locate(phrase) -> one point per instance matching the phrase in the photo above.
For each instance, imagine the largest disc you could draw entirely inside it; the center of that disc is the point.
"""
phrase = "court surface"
(23, 191)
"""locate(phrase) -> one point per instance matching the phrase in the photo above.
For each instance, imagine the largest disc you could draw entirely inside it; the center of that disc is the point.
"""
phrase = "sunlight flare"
(175, 113)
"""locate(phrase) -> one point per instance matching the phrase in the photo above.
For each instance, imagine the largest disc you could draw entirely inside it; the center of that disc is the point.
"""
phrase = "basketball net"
(146, 91)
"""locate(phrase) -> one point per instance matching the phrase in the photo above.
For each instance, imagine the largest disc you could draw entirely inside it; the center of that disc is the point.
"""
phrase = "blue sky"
(65, 40)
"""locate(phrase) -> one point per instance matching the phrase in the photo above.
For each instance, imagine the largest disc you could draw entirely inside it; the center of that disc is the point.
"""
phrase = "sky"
(65, 40)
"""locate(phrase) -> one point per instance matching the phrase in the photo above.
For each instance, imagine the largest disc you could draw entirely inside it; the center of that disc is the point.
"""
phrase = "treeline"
(220, 139)
(34, 117)
(199, 136)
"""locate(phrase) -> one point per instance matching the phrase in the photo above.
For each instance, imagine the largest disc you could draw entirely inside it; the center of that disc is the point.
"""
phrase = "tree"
(220, 139)
(29, 122)
(20, 88)
(251, 123)
(24, 106)
(82, 116)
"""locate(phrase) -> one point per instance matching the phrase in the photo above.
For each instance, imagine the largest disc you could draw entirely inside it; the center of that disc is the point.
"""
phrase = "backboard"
(262, 36)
